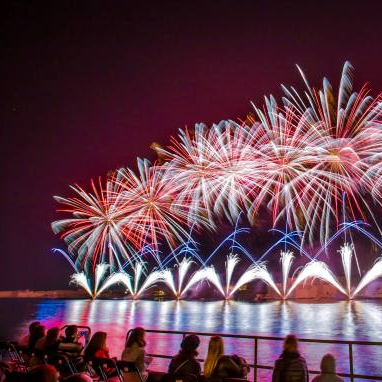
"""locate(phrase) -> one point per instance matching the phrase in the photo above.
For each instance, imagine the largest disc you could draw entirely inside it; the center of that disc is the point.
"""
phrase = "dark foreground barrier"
(255, 365)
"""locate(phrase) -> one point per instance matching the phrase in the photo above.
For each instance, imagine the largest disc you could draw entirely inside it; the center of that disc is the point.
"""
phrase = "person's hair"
(37, 333)
(215, 351)
(71, 331)
(97, 342)
(51, 337)
(328, 363)
(189, 345)
(290, 343)
(135, 336)
(33, 325)
(43, 373)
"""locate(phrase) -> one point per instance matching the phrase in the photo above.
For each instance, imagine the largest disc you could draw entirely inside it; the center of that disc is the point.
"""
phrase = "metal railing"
(257, 339)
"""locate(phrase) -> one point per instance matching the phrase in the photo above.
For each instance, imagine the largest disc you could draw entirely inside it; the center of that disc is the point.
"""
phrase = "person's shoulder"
(317, 378)
(280, 361)
(301, 358)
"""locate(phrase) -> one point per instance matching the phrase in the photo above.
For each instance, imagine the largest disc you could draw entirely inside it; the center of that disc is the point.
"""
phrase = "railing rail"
(257, 339)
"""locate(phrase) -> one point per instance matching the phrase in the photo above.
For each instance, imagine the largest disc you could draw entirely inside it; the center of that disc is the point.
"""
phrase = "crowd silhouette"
(48, 356)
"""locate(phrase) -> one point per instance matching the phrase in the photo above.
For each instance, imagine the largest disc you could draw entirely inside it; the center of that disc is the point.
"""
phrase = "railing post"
(351, 366)
(255, 361)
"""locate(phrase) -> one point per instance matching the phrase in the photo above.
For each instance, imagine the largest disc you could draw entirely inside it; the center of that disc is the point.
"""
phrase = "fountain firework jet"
(316, 270)
(150, 280)
(371, 275)
(255, 271)
(213, 277)
(183, 268)
(81, 280)
(168, 279)
(138, 270)
(114, 279)
(207, 273)
(99, 274)
(286, 259)
(346, 252)
(232, 261)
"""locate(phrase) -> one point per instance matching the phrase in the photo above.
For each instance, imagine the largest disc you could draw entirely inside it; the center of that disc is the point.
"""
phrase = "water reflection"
(339, 320)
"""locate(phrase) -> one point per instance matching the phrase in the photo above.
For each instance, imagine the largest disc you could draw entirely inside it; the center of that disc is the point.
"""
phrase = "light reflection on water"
(328, 320)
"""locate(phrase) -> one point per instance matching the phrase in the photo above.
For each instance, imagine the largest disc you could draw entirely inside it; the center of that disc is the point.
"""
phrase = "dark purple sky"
(88, 86)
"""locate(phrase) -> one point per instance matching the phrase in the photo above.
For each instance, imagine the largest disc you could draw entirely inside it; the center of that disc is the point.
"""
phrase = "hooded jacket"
(290, 367)
(328, 371)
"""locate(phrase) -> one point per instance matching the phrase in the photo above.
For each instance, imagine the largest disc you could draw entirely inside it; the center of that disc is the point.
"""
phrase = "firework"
(82, 281)
(199, 276)
(151, 211)
(168, 279)
(256, 271)
(183, 268)
(286, 259)
(152, 279)
(100, 272)
(214, 168)
(115, 279)
(95, 226)
(230, 265)
(347, 133)
(316, 270)
(346, 252)
(311, 160)
(372, 274)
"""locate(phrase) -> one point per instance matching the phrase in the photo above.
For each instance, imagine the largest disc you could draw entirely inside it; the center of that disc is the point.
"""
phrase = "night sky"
(88, 86)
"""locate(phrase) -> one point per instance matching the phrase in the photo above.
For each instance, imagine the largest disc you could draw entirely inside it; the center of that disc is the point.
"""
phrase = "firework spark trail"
(67, 257)
(138, 270)
(316, 270)
(114, 279)
(150, 207)
(183, 268)
(100, 272)
(213, 277)
(196, 278)
(346, 252)
(95, 225)
(256, 271)
(215, 168)
(232, 261)
(286, 259)
(235, 245)
(81, 280)
(168, 279)
(152, 279)
(372, 274)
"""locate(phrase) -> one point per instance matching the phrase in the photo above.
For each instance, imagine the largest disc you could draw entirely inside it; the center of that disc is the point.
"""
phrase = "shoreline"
(81, 294)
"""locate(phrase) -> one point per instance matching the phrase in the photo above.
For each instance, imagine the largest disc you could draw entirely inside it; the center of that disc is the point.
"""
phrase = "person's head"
(189, 345)
(215, 351)
(37, 333)
(43, 373)
(290, 343)
(33, 325)
(52, 336)
(135, 336)
(71, 332)
(97, 342)
(328, 364)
